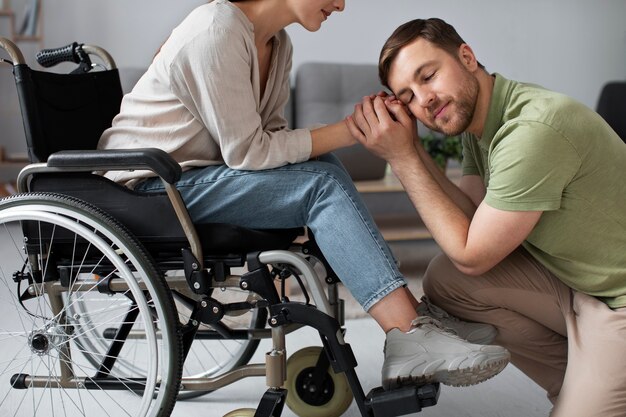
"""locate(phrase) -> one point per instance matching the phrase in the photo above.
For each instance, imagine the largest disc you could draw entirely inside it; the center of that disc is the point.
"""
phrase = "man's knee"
(438, 276)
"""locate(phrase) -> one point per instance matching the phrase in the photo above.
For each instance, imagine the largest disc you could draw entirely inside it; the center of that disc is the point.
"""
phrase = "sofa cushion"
(325, 93)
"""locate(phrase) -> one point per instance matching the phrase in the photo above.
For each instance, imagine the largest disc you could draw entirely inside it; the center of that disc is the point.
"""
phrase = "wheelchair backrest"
(66, 111)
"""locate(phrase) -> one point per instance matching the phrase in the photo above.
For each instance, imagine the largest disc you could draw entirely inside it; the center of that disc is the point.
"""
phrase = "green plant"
(442, 148)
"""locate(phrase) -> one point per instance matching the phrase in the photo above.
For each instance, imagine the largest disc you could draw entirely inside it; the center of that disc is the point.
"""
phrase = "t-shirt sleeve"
(530, 167)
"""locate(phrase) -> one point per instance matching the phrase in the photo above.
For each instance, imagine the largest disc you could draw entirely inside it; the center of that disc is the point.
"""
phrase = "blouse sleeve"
(211, 75)
(277, 119)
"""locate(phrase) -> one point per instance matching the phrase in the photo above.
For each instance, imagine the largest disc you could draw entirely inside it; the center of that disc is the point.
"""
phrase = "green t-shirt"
(542, 151)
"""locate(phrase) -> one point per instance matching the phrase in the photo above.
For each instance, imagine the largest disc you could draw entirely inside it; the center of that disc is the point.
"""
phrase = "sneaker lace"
(437, 312)
(427, 320)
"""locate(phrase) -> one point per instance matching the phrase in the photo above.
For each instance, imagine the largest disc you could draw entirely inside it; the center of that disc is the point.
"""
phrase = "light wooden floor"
(509, 394)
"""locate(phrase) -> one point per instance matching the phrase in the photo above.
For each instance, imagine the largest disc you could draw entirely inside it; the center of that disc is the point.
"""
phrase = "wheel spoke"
(67, 332)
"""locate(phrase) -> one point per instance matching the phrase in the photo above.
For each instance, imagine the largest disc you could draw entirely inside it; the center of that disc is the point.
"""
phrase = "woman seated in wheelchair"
(214, 99)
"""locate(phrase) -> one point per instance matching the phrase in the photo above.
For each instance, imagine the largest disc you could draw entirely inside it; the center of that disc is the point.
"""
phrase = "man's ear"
(467, 57)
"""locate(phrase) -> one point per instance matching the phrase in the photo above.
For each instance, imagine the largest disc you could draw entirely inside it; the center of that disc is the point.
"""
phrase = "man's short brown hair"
(434, 30)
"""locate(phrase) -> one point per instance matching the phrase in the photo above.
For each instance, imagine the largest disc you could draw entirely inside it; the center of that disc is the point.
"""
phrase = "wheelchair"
(114, 303)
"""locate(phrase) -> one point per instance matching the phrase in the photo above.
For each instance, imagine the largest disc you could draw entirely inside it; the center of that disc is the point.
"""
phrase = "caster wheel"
(241, 412)
(331, 399)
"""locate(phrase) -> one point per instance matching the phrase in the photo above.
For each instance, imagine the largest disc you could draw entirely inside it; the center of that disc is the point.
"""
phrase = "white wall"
(572, 46)
(132, 30)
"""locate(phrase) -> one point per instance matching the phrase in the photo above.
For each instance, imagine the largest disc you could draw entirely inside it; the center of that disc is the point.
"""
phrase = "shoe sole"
(455, 378)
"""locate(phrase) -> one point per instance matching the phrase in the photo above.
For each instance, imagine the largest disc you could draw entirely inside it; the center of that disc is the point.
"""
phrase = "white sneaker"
(431, 353)
(479, 333)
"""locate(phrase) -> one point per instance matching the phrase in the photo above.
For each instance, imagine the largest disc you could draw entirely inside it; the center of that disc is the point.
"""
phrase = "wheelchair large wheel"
(208, 356)
(241, 412)
(70, 275)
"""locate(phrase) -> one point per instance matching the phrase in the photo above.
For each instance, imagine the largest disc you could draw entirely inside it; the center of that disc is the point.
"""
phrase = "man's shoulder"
(536, 110)
(527, 101)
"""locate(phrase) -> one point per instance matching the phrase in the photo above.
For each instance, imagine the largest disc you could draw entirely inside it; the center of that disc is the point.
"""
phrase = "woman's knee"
(330, 158)
(329, 164)
(328, 174)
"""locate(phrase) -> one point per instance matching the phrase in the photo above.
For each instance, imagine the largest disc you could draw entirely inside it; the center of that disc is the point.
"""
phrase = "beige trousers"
(569, 343)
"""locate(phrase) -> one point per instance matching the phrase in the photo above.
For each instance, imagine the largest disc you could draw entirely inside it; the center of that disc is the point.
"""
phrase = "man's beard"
(453, 124)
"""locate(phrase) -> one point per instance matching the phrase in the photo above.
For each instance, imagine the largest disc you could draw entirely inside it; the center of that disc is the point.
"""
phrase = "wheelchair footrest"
(403, 400)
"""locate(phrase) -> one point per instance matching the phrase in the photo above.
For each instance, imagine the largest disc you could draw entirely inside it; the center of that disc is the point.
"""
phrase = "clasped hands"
(384, 125)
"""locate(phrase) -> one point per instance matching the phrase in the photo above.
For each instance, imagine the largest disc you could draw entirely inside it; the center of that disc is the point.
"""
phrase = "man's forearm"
(446, 221)
(474, 240)
(454, 192)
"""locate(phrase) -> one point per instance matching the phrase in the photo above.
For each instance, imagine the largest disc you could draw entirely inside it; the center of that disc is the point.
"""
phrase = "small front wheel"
(241, 412)
(329, 397)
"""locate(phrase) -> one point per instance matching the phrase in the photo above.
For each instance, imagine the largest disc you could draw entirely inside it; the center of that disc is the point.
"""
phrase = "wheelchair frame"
(199, 280)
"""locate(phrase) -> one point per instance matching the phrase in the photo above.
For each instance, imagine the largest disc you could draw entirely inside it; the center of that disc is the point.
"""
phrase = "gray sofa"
(322, 93)
(326, 93)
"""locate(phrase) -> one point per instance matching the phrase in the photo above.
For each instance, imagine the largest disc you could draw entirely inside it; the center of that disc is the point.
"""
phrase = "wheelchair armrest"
(153, 159)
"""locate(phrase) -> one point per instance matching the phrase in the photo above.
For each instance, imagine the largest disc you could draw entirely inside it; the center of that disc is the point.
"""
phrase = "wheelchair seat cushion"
(160, 230)
(220, 237)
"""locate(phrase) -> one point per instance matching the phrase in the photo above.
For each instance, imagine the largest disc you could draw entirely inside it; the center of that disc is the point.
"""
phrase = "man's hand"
(385, 128)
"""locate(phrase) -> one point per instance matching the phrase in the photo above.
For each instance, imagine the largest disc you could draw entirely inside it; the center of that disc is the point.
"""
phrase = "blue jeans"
(318, 194)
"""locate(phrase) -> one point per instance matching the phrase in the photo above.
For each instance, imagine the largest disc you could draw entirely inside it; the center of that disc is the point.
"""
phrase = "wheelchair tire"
(206, 358)
(241, 412)
(69, 274)
(331, 399)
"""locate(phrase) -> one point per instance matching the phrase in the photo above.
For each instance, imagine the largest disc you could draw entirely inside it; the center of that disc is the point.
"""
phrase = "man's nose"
(339, 5)
(425, 98)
